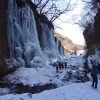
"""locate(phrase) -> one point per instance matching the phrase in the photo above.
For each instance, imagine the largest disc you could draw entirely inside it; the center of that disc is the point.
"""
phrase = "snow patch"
(76, 91)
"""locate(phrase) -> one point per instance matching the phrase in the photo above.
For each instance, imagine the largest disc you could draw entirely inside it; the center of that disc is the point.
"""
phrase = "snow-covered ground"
(31, 76)
(45, 75)
(75, 60)
(75, 91)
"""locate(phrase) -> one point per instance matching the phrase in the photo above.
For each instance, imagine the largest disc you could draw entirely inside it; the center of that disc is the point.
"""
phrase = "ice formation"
(23, 39)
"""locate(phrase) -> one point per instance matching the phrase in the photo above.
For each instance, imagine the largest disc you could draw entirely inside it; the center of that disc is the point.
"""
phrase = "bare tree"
(90, 22)
(53, 8)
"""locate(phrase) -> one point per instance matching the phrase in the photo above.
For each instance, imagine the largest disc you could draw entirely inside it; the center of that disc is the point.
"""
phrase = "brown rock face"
(3, 36)
(69, 46)
(97, 28)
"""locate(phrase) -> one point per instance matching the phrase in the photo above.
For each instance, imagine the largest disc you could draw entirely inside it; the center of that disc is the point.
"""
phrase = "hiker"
(61, 66)
(98, 66)
(86, 78)
(56, 66)
(65, 64)
(94, 73)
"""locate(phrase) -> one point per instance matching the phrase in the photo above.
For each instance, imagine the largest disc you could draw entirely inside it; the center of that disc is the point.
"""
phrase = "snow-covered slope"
(31, 76)
(45, 75)
(76, 91)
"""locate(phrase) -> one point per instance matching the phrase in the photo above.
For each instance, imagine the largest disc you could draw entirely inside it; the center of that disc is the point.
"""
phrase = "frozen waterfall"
(24, 43)
(22, 34)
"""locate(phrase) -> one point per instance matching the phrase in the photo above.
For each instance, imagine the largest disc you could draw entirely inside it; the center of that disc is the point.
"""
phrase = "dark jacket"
(94, 71)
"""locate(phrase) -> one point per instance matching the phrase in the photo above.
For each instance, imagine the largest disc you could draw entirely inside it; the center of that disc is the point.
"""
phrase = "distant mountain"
(69, 46)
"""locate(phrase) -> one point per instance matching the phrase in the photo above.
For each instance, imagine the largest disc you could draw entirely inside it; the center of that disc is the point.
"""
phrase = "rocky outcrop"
(92, 38)
(92, 32)
(4, 51)
(69, 46)
(97, 28)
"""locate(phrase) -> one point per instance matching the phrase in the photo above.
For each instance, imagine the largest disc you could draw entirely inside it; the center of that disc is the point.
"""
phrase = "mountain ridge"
(69, 46)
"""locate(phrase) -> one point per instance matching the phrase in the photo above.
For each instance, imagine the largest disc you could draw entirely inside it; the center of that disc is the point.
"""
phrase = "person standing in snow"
(61, 66)
(86, 78)
(56, 66)
(94, 73)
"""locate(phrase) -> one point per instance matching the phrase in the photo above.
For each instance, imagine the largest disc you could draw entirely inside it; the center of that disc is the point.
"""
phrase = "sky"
(68, 28)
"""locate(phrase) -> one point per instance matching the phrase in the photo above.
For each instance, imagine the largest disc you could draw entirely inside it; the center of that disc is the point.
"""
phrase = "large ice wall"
(49, 44)
(23, 39)
(59, 47)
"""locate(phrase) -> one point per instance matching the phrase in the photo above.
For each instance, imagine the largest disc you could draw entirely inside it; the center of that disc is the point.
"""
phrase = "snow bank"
(76, 91)
(31, 76)
(95, 57)
(75, 60)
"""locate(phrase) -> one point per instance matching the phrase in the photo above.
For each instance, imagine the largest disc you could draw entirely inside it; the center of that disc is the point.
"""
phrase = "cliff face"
(97, 28)
(30, 36)
(92, 32)
(92, 38)
(3, 36)
(69, 46)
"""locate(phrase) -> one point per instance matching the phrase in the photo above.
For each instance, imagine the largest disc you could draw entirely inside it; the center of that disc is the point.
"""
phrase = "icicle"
(22, 33)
